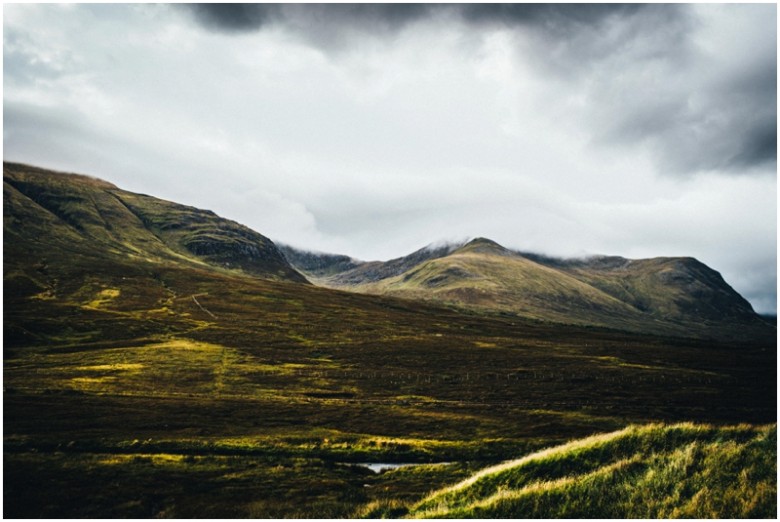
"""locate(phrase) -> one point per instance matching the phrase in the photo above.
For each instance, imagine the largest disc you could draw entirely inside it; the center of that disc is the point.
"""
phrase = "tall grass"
(655, 471)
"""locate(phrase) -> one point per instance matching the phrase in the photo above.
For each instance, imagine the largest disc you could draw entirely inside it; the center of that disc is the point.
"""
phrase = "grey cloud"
(234, 17)
(53, 136)
(728, 131)
(550, 16)
(648, 82)
(312, 17)
(22, 65)
(759, 146)
(388, 18)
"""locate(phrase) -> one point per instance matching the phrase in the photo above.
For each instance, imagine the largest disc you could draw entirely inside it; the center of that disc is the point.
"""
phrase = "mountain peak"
(483, 245)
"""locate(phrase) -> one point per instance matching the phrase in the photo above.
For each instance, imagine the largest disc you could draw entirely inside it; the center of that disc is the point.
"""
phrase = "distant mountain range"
(671, 295)
(54, 221)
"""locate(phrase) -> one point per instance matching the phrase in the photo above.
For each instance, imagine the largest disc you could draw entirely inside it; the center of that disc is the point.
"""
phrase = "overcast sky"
(373, 130)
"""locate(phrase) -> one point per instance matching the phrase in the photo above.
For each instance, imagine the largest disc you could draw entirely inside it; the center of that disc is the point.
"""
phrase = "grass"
(655, 471)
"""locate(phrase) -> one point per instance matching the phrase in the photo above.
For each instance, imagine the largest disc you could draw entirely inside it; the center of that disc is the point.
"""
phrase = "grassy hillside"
(670, 288)
(655, 471)
(75, 212)
(493, 281)
(677, 296)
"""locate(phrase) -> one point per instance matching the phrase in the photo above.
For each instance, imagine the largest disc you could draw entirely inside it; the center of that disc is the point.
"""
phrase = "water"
(380, 467)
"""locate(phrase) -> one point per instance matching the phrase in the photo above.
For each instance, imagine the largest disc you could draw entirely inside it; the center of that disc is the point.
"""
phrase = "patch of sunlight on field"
(280, 369)
(499, 468)
(177, 367)
(616, 361)
(541, 487)
(111, 367)
(103, 297)
(156, 459)
(91, 384)
(185, 344)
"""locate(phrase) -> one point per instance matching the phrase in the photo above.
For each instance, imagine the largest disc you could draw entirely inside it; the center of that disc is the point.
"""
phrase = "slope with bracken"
(660, 295)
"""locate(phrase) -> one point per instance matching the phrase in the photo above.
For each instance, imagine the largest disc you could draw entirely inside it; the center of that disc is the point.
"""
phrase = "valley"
(161, 361)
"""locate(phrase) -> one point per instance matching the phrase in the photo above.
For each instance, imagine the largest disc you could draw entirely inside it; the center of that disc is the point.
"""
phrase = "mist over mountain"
(672, 295)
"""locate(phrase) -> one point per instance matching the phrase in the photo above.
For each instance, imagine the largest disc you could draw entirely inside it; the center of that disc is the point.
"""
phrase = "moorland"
(161, 361)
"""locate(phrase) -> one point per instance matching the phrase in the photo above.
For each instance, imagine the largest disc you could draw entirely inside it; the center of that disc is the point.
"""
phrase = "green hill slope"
(671, 288)
(490, 279)
(90, 217)
(675, 296)
(655, 471)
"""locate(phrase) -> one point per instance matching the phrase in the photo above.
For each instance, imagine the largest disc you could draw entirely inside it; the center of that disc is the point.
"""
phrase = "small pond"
(379, 467)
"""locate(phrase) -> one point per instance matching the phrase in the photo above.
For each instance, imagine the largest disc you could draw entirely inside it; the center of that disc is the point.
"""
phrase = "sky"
(373, 130)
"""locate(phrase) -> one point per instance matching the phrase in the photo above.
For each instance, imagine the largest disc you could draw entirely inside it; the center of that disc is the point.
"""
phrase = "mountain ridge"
(127, 223)
(673, 293)
(46, 211)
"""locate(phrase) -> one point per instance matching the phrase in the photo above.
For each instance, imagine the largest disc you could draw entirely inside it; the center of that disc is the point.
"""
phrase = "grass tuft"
(655, 471)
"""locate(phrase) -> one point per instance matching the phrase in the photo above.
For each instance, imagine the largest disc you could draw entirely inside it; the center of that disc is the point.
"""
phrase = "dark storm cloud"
(759, 146)
(649, 78)
(331, 17)
(392, 17)
(234, 17)
(551, 15)
(607, 52)
(727, 123)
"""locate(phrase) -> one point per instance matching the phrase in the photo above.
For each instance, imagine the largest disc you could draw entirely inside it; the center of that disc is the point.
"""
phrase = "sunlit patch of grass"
(111, 367)
(103, 297)
(186, 345)
(156, 459)
(679, 471)
(92, 384)
(616, 361)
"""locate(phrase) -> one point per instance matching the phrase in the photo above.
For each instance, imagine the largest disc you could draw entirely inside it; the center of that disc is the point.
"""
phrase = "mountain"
(48, 214)
(672, 295)
(88, 216)
(343, 271)
(667, 287)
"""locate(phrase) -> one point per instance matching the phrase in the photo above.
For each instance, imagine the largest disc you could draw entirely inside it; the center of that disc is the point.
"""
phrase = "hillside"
(655, 471)
(343, 271)
(662, 295)
(88, 216)
(670, 288)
